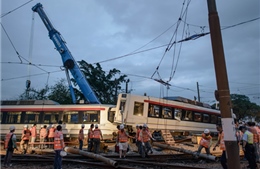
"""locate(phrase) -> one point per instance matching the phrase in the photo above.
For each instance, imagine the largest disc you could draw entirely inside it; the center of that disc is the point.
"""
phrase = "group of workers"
(57, 137)
(248, 136)
(142, 138)
(94, 138)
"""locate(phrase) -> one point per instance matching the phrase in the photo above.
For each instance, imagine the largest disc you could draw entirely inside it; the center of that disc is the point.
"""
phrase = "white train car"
(181, 117)
(46, 112)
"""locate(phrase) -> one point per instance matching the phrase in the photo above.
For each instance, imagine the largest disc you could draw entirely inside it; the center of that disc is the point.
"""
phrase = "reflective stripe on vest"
(27, 134)
(51, 132)
(58, 143)
(122, 137)
(7, 139)
(96, 133)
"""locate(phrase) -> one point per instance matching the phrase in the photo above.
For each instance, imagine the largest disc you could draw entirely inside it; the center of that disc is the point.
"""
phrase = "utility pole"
(126, 86)
(198, 90)
(223, 94)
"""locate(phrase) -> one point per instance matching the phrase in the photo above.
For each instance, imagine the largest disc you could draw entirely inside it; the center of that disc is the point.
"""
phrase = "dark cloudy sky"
(103, 30)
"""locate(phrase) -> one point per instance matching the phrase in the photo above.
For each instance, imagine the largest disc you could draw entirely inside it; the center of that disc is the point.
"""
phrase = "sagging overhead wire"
(2, 15)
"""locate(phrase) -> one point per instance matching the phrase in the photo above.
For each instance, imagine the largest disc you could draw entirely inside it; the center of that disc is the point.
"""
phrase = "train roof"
(185, 100)
(29, 102)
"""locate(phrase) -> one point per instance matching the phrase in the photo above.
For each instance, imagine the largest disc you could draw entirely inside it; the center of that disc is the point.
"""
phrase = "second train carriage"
(182, 117)
(46, 112)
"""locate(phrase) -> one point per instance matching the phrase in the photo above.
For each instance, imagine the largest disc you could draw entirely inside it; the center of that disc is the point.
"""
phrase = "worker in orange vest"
(122, 141)
(9, 145)
(58, 147)
(81, 136)
(90, 137)
(97, 134)
(205, 142)
(25, 139)
(33, 135)
(145, 137)
(221, 144)
(137, 138)
(43, 135)
(51, 135)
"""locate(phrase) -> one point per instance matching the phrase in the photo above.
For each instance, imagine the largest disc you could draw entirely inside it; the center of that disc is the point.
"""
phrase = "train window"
(213, 119)
(91, 116)
(154, 111)
(70, 117)
(111, 116)
(31, 117)
(51, 117)
(188, 116)
(14, 117)
(167, 113)
(205, 118)
(138, 108)
(197, 117)
(177, 114)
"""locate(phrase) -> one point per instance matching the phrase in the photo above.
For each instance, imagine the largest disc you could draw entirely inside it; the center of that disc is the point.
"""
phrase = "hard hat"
(137, 125)
(25, 126)
(206, 131)
(52, 125)
(82, 125)
(96, 125)
(63, 153)
(145, 125)
(122, 126)
(41, 125)
(12, 128)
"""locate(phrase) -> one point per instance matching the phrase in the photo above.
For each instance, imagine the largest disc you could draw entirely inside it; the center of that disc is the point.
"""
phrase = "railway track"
(177, 161)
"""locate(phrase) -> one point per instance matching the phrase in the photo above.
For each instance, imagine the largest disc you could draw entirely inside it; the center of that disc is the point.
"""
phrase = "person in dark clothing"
(10, 145)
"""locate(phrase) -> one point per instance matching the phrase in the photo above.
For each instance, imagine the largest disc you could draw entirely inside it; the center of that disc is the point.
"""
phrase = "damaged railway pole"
(166, 146)
(91, 155)
(223, 93)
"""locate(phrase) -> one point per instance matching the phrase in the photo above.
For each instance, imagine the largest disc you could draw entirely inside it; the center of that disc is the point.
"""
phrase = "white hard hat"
(41, 125)
(145, 125)
(52, 125)
(82, 125)
(206, 131)
(137, 125)
(96, 125)
(122, 126)
(12, 128)
(63, 153)
(25, 126)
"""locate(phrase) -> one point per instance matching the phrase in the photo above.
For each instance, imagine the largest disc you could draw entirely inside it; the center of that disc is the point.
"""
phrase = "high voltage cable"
(2, 15)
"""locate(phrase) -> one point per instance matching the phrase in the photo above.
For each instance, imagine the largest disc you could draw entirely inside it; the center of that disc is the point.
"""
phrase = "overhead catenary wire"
(2, 15)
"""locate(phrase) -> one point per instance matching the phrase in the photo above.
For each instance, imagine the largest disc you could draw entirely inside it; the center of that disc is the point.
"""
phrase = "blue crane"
(68, 60)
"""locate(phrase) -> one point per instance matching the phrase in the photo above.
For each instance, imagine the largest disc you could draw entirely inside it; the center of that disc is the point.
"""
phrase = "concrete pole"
(223, 93)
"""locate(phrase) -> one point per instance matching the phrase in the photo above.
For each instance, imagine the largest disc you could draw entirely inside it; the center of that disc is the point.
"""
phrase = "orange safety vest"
(7, 139)
(255, 134)
(138, 134)
(33, 131)
(43, 132)
(145, 135)
(26, 134)
(58, 143)
(51, 132)
(81, 134)
(221, 142)
(122, 137)
(205, 140)
(96, 133)
(90, 133)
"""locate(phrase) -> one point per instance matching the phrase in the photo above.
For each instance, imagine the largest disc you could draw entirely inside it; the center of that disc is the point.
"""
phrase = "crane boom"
(67, 58)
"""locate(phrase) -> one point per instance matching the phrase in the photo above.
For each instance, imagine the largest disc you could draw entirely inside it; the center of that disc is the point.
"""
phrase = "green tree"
(242, 107)
(106, 86)
(60, 92)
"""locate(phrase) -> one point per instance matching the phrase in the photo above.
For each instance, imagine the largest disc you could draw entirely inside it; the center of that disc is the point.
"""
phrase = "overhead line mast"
(68, 60)
(223, 93)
